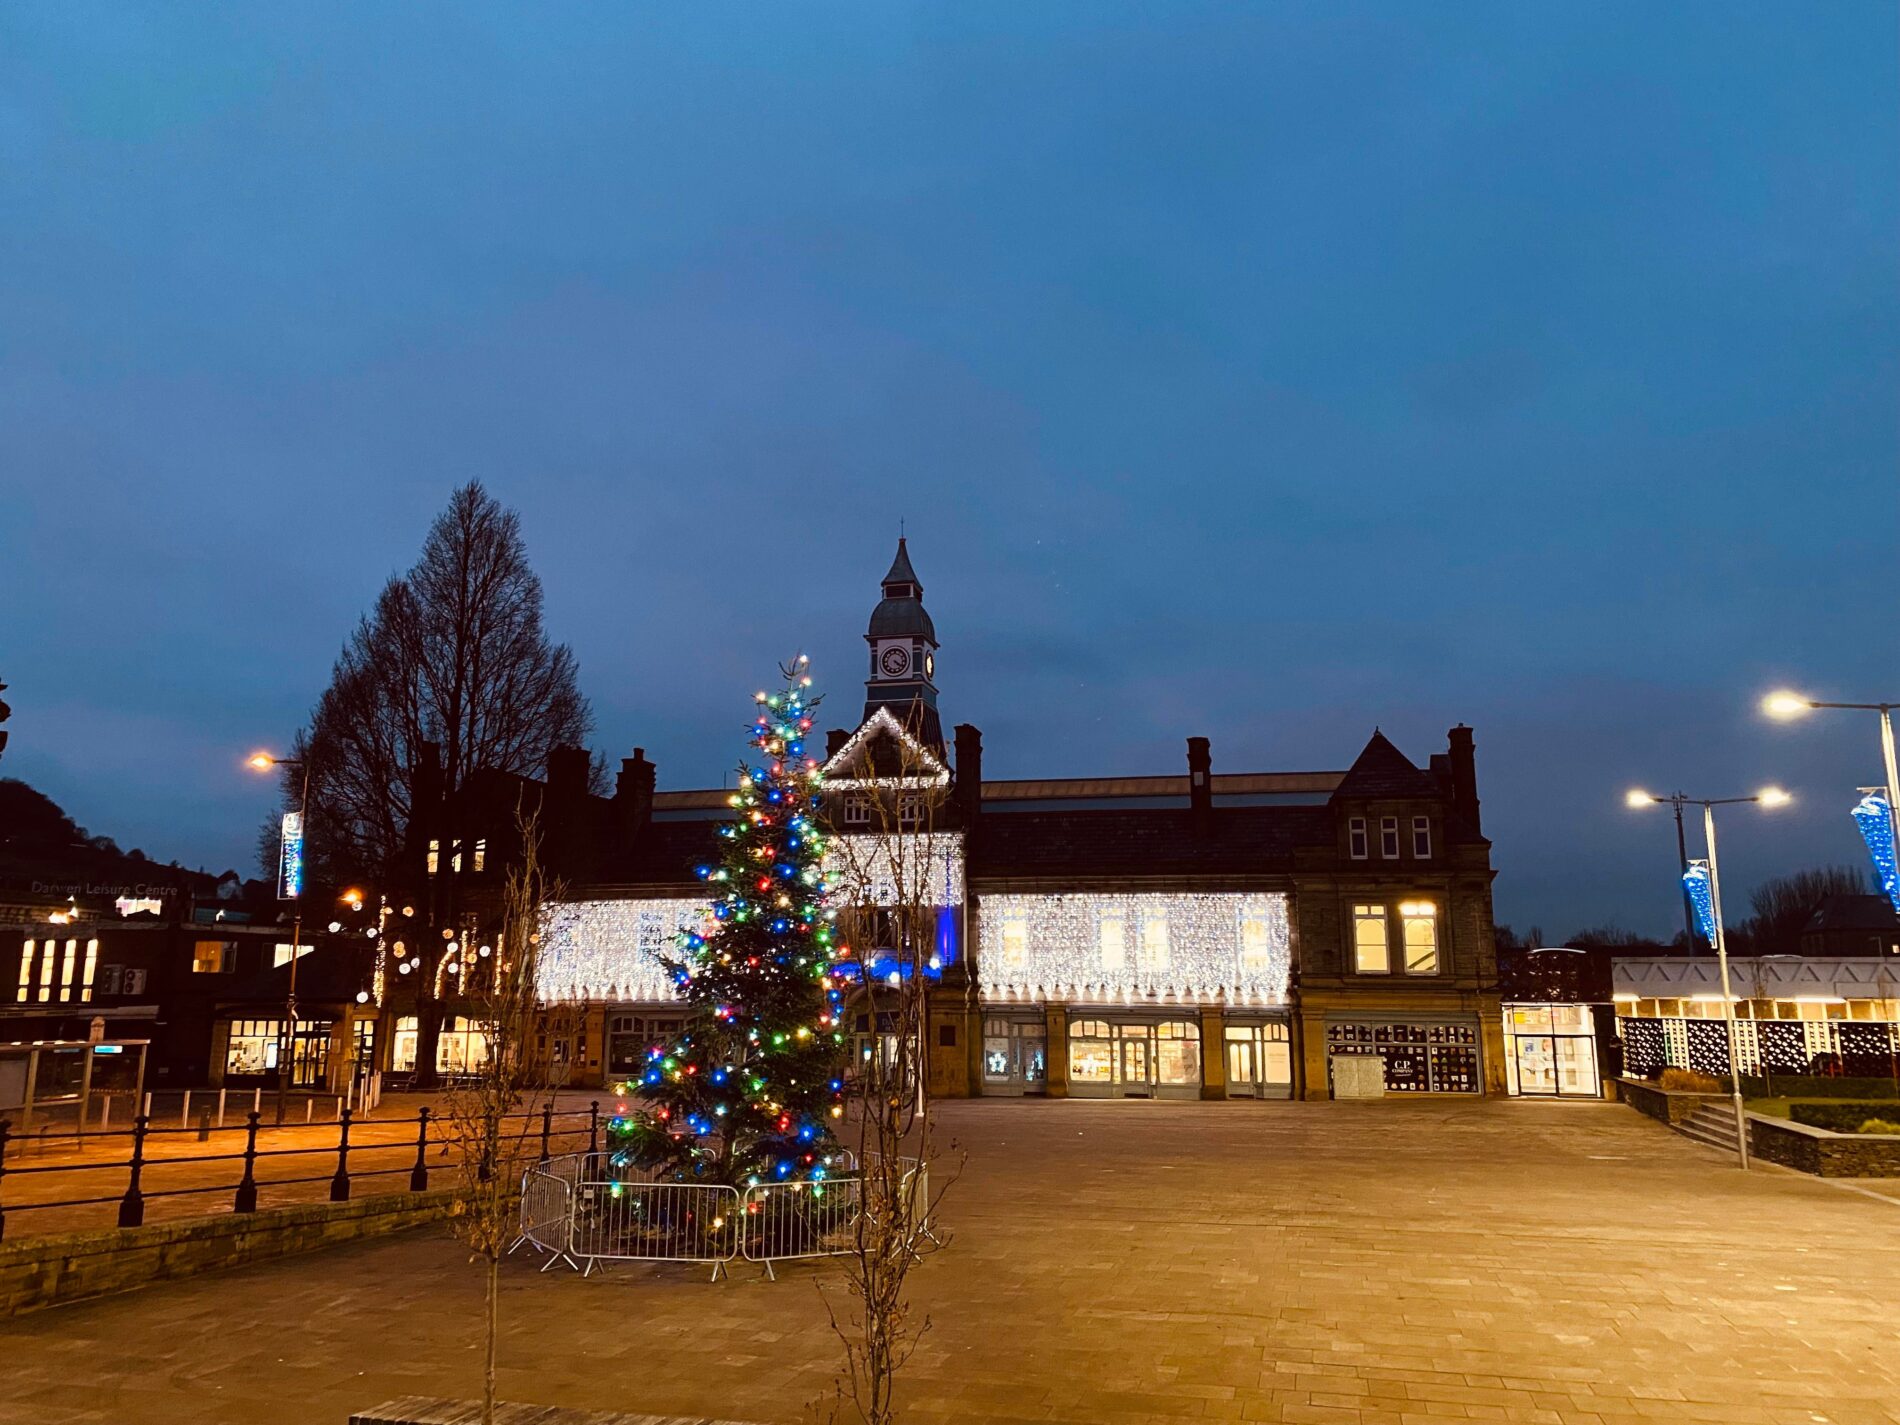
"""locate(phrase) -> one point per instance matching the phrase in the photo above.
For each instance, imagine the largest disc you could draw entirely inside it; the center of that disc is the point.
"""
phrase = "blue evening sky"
(1258, 371)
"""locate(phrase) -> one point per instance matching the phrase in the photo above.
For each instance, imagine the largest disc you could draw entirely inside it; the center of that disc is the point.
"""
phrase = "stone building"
(1196, 934)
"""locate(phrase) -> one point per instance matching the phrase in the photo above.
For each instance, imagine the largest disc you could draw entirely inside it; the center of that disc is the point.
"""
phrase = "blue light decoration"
(290, 857)
(1874, 817)
(1695, 881)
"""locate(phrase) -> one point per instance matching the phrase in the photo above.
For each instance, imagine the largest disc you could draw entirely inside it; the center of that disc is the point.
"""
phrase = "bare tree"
(1785, 904)
(492, 1109)
(895, 874)
(450, 674)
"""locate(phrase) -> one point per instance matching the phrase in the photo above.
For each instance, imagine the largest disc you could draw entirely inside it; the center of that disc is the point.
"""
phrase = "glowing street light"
(289, 887)
(1785, 704)
(1766, 797)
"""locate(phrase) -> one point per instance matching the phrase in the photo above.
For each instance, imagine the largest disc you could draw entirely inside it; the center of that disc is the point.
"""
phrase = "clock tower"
(904, 655)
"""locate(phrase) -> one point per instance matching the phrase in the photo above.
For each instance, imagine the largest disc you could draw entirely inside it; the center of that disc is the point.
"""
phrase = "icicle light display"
(614, 950)
(1135, 948)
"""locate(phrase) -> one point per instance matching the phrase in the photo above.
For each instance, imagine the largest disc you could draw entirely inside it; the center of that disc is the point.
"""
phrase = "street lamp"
(264, 762)
(1785, 705)
(1766, 797)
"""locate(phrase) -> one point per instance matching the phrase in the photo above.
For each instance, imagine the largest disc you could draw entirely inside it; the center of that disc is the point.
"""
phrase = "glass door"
(1134, 1065)
(1577, 1067)
(1241, 1078)
(1536, 1064)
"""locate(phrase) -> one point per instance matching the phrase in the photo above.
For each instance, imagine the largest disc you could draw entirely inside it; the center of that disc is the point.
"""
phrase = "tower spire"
(904, 652)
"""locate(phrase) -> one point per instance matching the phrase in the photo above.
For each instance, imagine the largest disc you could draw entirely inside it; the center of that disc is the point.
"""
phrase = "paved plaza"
(1383, 1262)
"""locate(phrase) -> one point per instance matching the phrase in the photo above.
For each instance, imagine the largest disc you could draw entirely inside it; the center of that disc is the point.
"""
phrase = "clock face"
(893, 661)
(930, 665)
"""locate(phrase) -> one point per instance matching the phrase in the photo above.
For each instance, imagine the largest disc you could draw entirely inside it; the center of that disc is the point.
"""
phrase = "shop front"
(1550, 1051)
(1418, 1054)
(1015, 1054)
(1134, 1058)
(1259, 1059)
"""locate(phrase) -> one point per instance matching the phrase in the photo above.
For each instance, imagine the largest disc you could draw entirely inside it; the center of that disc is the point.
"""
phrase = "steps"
(1713, 1124)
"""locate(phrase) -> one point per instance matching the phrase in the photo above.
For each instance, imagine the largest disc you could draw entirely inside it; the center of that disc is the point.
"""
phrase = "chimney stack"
(1464, 777)
(835, 740)
(969, 785)
(633, 792)
(1200, 786)
(567, 774)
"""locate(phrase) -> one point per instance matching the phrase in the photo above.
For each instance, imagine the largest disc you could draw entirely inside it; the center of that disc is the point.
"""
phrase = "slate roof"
(1140, 841)
(901, 572)
(1382, 771)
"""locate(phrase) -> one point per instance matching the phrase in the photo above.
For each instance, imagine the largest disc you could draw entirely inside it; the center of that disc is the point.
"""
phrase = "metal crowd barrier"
(584, 1209)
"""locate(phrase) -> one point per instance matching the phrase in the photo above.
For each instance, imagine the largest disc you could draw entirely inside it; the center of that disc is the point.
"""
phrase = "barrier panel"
(585, 1209)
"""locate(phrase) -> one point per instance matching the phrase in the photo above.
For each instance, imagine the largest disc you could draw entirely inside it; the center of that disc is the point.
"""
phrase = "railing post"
(340, 1184)
(593, 1128)
(547, 1127)
(6, 1129)
(247, 1186)
(132, 1205)
(419, 1175)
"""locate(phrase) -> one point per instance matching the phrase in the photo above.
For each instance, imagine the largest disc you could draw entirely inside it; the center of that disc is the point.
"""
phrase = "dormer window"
(1356, 839)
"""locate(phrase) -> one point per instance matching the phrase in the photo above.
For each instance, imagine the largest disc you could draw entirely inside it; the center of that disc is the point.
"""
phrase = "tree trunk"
(428, 1036)
(488, 1364)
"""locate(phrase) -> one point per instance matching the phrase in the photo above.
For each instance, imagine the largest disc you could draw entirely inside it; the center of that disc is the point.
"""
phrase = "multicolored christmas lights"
(748, 1091)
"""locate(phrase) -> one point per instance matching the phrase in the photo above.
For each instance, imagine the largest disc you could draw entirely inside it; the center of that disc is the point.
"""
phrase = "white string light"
(1136, 949)
(611, 949)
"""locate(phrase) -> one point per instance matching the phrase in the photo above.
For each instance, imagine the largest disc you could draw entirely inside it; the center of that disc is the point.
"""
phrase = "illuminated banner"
(1875, 820)
(290, 858)
(1695, 881)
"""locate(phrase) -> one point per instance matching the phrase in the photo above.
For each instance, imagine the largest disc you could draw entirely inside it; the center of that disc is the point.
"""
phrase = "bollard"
(204, 1123)
(419, 1175)
(6, 1128)
(593, 1128)
(340, 1184)
(148, 1105)
(547, 1127)
(132, 1205)
(105, 1114)
(257, 1100)
(184, 1111)
(310, 1110)
(247, 1186)
(221, 1093)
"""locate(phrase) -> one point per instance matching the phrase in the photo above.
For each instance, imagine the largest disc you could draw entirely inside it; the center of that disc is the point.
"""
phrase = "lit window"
(1016, 944)
(49, 951)
(1420, 919)
(1371, 955)
(212, 957)
(92, 964)
(253, 1046)
(435, 857)
(1422, 837)
(1156, 952)
(1256, 945)
(910, 810)
(1113, 934)
(1356, 838)
(478, 858)
(70, 964)
(26, 970)
(281, 955)
(1389, 837)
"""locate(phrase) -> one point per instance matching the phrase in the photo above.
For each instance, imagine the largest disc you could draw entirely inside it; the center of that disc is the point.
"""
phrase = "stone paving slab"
(1381, 1263)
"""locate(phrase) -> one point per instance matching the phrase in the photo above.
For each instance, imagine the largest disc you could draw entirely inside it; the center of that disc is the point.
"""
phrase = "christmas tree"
(749, 1091)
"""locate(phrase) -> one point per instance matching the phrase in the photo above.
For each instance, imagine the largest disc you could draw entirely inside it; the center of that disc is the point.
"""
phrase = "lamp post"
(264, 762)
(1767, 797)
(1785, 705)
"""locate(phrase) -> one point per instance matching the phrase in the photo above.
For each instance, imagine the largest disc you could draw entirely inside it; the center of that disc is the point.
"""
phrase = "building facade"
(1201, 934)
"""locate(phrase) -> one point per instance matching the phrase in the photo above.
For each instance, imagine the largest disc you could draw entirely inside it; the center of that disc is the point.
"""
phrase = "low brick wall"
(429, 1410)
(1665, 1105)
(49, 1271)
(1825, 1154)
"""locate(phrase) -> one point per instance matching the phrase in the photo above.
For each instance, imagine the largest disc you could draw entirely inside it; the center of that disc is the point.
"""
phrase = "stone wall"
(1669, 1106)
(1825, 1154)
(49, 1271)
(428, 1410)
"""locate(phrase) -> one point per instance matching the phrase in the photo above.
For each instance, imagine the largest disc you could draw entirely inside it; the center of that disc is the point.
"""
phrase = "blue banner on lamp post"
(1695, 881)
(1875, 820)
(290, 857)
